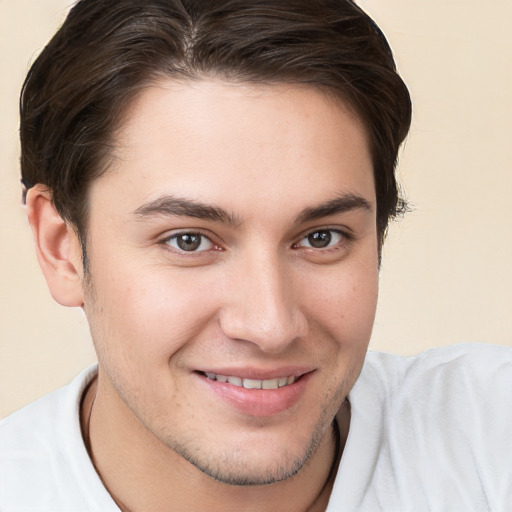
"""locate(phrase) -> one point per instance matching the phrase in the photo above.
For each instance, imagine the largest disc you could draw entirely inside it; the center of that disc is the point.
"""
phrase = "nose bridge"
(264, 308)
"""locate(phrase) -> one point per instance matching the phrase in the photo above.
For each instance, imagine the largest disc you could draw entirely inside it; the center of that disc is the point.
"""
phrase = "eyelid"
(345, 233)
(193, 231)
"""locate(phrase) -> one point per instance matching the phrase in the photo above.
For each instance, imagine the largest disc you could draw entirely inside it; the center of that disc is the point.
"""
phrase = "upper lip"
(259, 373)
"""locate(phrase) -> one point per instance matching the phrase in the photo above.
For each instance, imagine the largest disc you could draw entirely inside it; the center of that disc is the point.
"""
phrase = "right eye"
(189, 242)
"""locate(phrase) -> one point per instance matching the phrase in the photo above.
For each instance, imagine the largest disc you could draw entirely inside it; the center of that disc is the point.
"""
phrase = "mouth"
(270, 394)
(276, 383)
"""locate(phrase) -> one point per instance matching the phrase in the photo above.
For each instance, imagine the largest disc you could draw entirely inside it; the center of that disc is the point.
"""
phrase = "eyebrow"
(340, 204)
(182, 207)
(168, 205)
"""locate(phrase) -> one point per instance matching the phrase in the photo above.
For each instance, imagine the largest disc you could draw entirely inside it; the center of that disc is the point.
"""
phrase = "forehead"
(217, 141)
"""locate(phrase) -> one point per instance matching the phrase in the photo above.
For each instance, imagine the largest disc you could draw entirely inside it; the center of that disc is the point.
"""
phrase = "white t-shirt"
(427, 433)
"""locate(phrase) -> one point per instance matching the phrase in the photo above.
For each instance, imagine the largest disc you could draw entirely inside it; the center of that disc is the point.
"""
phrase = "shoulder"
(40, 446)
(442, 386)
(467, 366)
(437, 426)
(430, 432)
(38, 420)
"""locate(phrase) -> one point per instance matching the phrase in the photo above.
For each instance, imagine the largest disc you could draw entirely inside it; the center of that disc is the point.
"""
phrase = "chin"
(253, 463)
(239, 472)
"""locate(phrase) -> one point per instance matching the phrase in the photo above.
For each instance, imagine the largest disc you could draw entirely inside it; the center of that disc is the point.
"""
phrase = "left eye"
(190, 242)
(321, 239)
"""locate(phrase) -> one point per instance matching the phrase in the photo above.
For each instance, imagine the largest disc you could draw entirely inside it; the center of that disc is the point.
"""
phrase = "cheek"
(145, 314)
(344, 302)
(343, 313)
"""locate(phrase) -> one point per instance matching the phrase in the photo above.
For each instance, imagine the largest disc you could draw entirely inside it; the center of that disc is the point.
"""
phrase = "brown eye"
(190, 242)
(321, 239)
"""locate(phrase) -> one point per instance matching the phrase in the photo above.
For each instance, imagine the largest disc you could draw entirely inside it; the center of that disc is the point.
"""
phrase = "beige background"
(447, 272)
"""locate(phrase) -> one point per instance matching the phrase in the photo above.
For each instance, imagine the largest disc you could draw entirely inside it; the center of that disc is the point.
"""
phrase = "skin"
(255, 296)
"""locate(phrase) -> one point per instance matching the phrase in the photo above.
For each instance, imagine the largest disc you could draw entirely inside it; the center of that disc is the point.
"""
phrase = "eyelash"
(203, 237)
(345, 238)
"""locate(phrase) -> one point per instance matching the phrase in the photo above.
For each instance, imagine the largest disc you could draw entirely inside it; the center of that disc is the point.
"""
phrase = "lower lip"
(258, 402)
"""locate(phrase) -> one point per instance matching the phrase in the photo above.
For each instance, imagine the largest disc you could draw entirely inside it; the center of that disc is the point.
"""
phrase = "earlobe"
(57, 246)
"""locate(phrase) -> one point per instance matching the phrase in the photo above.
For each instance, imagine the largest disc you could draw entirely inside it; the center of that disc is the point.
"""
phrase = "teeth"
(270, 384)
(236, 381)
(253, 383)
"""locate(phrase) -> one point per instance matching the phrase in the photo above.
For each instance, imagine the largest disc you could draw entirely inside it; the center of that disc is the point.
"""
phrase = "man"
(212, 182)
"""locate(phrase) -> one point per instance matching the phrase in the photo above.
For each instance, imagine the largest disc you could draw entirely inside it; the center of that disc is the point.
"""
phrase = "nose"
(263, 306)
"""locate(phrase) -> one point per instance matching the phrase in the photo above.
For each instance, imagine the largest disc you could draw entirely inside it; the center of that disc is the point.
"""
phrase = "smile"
(257, 392)
(276, 383)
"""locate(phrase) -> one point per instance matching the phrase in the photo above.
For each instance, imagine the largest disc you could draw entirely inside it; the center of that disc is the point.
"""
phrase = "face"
(234, 263)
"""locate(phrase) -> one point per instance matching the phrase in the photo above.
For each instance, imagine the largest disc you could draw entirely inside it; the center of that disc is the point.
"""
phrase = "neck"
(143, 474)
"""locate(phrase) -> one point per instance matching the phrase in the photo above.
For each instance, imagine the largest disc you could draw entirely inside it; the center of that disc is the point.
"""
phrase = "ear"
(57, 246)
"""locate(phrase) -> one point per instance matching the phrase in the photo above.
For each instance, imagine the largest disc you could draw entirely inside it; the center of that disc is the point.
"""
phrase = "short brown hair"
(107, 50)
